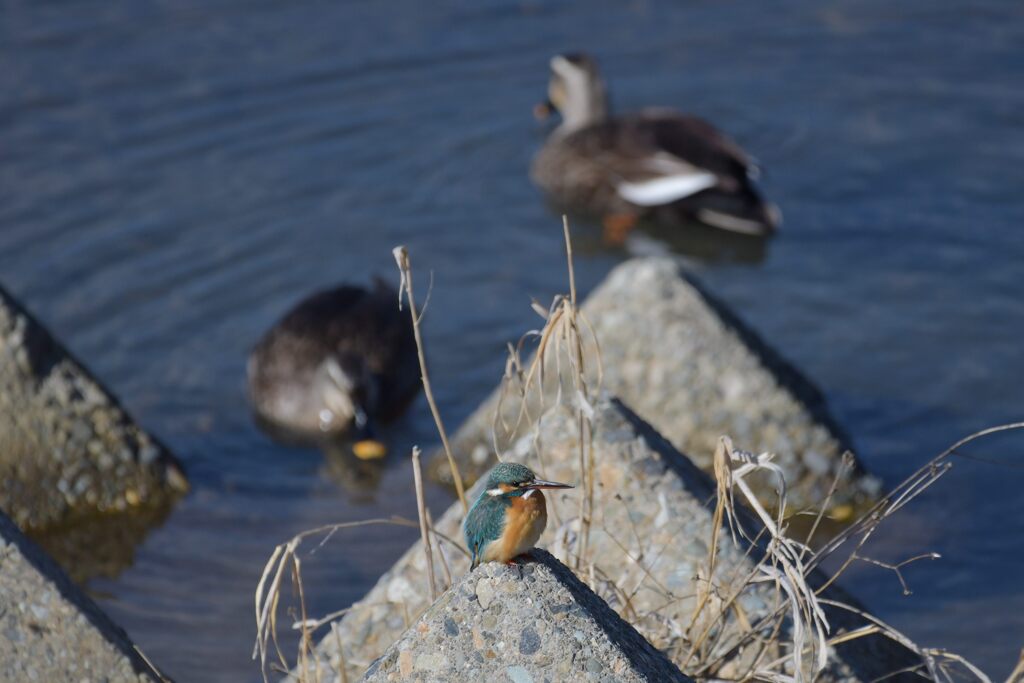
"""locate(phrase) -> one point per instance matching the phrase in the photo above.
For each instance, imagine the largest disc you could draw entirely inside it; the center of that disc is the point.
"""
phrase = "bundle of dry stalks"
(791, 643)
(562, 340)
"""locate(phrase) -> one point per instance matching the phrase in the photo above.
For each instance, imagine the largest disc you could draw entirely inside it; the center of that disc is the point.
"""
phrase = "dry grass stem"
(284, 559)
(938, 665)
(401, 255)
(342, 668)
(896, 567)
(153, 670)
(1017, 675)
(440, 549)
(421, 507)
(844, 466)
(562, 341)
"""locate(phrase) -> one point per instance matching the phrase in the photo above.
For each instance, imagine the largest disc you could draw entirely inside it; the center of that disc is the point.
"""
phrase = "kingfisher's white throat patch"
(499, 491)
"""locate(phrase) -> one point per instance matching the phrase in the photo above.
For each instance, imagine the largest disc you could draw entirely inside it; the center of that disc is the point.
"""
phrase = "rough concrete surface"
(50, 631)
(536, 623)
(66, 447)
(691, 368)
(649, 544)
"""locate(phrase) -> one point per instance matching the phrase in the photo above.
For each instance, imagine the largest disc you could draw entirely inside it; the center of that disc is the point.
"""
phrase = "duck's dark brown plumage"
(588, 160)
(360, 331)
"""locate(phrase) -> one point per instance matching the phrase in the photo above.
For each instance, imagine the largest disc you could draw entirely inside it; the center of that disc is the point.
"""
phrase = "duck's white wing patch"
(665, 189)
(671, 179)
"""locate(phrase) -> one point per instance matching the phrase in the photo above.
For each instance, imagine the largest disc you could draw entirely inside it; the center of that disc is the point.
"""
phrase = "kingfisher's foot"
(514, 562)
(521, 558)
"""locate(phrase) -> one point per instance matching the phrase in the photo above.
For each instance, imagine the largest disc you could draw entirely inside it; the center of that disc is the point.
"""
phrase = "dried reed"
(421, 508)
(272, 582)
(401, 255)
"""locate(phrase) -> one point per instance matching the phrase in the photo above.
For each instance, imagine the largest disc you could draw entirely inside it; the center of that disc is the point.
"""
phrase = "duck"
(656, 163)
(334, 365)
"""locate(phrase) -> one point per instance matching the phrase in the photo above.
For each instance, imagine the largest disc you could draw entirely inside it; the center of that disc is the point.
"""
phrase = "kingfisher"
(509, 516)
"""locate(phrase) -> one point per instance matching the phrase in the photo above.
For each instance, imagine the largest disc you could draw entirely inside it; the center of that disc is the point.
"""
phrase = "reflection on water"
(102, 545)
(175, 175)
(694, 241)
(359, 479)
(709, 245)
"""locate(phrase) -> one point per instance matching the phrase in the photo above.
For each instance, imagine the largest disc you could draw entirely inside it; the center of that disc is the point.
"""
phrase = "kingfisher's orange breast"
(525, 519)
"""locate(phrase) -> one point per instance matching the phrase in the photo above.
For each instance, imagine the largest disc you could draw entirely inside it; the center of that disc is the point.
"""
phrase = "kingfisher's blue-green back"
(484, 524)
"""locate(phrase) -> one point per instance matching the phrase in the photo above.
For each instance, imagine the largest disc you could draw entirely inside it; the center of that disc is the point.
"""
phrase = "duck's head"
(576, 91)
(348, 392)
(512, 479)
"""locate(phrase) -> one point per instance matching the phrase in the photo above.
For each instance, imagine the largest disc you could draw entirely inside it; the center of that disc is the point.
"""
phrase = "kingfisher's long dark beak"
(541, 484)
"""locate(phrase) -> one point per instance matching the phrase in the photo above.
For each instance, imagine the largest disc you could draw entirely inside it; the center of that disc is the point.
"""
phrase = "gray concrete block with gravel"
(689, 366)
(67, 449)
(50, 631)
(535, 623)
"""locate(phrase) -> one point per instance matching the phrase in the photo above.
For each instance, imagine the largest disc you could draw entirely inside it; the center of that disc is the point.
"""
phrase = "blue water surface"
(174, 175)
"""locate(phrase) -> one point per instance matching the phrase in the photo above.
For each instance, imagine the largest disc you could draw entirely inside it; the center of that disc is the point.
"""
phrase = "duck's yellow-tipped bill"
(369, 449)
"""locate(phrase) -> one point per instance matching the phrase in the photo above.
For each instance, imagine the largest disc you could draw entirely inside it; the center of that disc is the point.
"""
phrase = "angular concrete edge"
(67, 446)
(869, 658)
(789, 377)
(50, 630)
(531, 623)
(692, 368)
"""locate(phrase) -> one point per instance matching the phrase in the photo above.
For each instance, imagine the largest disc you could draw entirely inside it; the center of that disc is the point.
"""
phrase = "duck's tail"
(743, 212)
